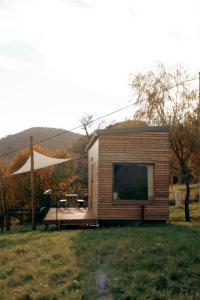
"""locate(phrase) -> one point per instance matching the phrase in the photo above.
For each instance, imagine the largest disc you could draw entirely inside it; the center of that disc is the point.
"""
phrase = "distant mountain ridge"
(22, 139)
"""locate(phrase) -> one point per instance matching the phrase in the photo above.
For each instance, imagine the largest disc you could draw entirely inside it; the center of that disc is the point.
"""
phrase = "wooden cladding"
(148, 148)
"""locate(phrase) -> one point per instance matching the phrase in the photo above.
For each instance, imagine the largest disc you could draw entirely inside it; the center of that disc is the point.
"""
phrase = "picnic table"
(70, 198)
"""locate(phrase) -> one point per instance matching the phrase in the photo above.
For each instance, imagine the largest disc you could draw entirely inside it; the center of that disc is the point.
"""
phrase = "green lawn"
(139, 262)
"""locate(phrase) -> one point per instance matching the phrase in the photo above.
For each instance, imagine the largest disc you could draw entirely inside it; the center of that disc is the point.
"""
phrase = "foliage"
(128, 124)
(18, 194)
(69, 176)
(181, 187)
(5, 184)
(162, 100)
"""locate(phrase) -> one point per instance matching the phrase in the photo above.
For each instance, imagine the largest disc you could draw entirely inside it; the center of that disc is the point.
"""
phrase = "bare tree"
(86, 122)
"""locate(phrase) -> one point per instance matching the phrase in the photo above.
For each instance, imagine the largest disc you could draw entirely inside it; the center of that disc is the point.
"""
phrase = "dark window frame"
(119, 201)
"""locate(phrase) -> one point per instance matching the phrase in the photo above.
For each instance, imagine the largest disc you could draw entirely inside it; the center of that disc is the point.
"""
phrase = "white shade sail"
(40, 161)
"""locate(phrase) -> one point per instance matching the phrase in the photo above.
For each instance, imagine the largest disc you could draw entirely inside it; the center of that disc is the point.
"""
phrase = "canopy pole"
(32, 184)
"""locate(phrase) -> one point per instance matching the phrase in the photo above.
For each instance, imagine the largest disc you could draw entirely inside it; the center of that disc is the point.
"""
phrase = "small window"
(132, 182)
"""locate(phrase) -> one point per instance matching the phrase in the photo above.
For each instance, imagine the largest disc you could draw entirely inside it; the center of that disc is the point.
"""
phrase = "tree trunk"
(86, 131)
(3, 202)
(187, 201)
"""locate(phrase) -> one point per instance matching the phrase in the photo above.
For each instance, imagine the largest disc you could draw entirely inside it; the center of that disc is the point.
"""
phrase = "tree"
(86, 122)
(19, 192)
(162, 100)
(3, 184)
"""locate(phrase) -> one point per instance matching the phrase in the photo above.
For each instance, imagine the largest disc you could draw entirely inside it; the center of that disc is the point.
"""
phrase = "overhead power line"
(92, 121)
(180, 83)
(80, 126)
(67, 131)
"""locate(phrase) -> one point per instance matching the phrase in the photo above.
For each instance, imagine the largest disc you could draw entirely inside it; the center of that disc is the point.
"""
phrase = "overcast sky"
(62, 58)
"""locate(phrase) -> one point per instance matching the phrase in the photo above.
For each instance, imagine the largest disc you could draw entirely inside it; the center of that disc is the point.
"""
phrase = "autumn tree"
(46, 178)
(3, 183)
(166, 97)
(5, 186)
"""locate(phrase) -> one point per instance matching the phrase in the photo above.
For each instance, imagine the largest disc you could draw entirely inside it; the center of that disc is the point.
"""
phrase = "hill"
(21, 139)
(128, 124)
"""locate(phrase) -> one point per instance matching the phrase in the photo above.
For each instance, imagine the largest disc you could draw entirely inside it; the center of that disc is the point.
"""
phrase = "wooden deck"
(70, 216)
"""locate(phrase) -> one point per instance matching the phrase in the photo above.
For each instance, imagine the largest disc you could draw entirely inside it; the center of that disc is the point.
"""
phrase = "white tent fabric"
(40, 161)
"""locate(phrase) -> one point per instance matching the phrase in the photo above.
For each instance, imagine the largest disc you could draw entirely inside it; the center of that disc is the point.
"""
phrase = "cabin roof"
(97, 133)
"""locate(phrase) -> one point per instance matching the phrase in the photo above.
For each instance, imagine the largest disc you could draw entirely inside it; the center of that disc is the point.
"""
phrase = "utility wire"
(92, 121)
(118, 110)
(67, 131)
(80, 126)
(180, 83)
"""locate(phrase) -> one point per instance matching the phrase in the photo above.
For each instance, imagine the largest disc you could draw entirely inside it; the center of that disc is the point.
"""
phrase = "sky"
(61, 59)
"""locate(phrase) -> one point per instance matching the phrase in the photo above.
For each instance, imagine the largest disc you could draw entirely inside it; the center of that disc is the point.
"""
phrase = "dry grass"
(177, 214)
(181, 187)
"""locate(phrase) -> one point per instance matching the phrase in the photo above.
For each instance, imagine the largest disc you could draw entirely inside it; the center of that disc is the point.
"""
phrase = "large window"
(132, 181)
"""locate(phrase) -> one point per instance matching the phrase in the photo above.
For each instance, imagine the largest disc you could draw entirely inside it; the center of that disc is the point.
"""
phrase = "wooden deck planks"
(70, 216)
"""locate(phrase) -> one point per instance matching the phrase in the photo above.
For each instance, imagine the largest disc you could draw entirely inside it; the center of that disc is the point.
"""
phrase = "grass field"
(141, 262)
(194, 190)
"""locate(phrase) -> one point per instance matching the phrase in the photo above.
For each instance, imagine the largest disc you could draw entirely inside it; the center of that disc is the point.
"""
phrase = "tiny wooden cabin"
(129, 174)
